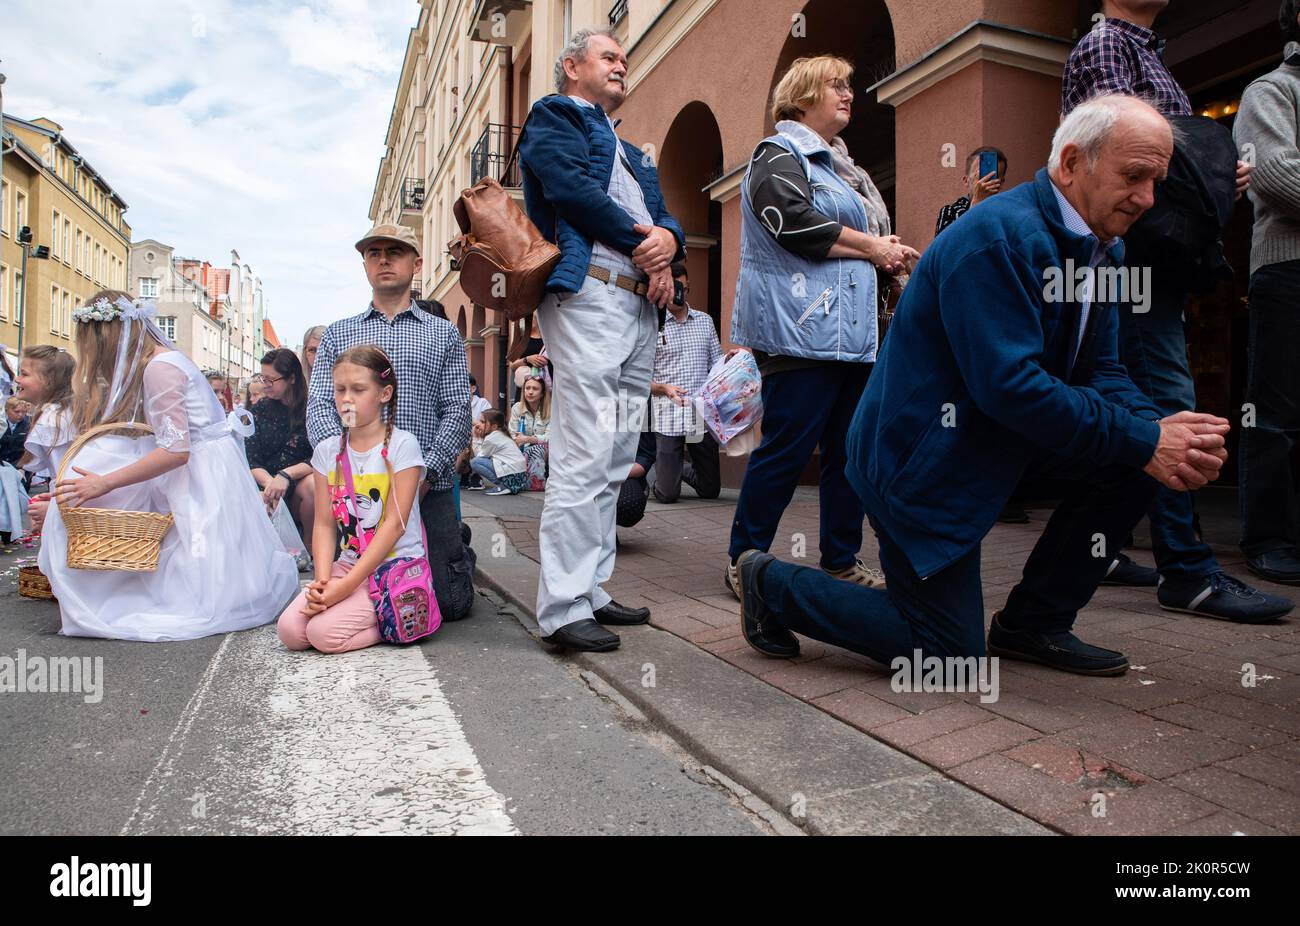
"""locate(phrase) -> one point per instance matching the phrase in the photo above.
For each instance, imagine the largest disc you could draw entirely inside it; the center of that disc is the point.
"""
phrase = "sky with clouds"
(224, 124)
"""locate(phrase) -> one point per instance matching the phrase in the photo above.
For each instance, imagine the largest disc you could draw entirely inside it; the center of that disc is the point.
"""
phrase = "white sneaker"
(732, 578)
(858, 574)
(498, 490)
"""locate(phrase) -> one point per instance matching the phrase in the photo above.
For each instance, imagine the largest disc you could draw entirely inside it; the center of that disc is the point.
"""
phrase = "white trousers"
(601, 341)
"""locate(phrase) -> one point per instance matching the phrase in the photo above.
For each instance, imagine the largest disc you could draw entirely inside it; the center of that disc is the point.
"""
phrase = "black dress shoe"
(1062, 651)
(584, 635)
(614, 613)
(757, 622)
(1276, 566)
(1013, 514)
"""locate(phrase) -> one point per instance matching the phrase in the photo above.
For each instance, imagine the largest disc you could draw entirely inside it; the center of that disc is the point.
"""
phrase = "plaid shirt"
(684, 354)
(432, 382)
(1118, 57)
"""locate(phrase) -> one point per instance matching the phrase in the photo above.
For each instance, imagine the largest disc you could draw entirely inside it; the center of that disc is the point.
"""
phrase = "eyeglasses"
(267, 380)
(839, 85)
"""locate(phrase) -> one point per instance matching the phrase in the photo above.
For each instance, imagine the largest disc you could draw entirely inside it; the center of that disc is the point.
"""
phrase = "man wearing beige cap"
(432, 396)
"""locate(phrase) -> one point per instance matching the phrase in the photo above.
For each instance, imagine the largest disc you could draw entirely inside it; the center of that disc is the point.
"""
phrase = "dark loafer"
(1062, 651)
(585, 635)
(617, 614)
(757, 622)
(1276, 566)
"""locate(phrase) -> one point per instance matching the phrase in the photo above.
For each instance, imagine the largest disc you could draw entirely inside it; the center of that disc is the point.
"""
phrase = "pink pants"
(346, 626)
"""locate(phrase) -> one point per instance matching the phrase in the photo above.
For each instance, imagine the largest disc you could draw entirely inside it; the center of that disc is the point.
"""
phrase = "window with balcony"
(488, 156)
(617, 12)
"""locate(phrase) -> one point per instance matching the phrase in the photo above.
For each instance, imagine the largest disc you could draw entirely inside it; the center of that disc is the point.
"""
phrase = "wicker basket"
(106, 538)
(32, 583)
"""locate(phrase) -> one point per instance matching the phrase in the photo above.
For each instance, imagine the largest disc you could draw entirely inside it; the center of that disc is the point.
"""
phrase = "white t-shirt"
(477, 406)
(504, 453)
(370, 478)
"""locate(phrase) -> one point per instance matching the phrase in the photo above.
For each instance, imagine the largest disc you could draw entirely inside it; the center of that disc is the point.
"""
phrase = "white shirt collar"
(1074, 222)
(583, 101)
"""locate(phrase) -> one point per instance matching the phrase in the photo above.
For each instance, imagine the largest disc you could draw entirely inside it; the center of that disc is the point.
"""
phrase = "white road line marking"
(176, 742)
(361, 743)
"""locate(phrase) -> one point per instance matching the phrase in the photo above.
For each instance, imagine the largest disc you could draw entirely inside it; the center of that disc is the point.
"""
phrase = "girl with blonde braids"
(380, 522)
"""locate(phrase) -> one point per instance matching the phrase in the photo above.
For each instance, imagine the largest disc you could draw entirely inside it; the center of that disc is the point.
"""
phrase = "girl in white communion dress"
(222, 566)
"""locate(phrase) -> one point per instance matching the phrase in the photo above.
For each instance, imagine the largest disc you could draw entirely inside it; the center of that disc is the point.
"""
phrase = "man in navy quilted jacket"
(597, 197)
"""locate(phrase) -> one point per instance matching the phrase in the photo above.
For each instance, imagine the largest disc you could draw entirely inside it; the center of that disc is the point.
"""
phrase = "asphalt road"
(480, 730)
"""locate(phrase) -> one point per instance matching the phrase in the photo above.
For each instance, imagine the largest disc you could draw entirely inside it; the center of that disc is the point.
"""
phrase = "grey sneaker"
(858, 574)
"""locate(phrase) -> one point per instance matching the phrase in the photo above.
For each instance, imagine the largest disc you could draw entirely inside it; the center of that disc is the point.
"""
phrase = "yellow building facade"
(70, 208)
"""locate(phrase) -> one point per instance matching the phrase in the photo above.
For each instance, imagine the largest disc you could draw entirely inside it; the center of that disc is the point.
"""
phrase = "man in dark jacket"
(966, 404)
(598, 198)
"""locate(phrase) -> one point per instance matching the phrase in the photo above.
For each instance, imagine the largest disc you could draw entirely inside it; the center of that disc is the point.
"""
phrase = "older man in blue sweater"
(598, 198)
(1001, 370)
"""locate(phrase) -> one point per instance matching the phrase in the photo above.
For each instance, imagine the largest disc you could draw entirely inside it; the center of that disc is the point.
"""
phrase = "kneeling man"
(1001, 376)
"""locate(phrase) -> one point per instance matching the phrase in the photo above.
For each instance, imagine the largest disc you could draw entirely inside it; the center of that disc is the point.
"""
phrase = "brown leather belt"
(632, 284)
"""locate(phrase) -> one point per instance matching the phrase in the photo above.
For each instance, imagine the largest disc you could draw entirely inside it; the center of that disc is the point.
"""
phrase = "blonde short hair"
(802, 84)
(15, 404)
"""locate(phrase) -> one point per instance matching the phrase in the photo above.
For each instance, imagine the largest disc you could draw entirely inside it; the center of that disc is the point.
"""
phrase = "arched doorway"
(863, 33)
(691, 159)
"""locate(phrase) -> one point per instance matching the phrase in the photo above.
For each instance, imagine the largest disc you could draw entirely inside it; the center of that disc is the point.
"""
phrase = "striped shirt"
(428, 358)
(1074, 222)
(1117, 56)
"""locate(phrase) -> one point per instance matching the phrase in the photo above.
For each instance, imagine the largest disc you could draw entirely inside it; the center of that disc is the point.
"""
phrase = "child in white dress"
(221, 567)
(45, 380)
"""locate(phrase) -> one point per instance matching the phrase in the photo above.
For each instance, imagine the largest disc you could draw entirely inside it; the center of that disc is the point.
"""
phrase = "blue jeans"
(1270, 503)
(484, 467)
(943, 614)
(804, 409)
(1153, 346)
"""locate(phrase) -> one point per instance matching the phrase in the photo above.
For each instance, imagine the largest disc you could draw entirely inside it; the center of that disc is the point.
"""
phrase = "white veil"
(140, 312)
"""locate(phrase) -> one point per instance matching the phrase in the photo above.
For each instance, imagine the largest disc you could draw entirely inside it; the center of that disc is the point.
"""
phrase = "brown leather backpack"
(504, 261)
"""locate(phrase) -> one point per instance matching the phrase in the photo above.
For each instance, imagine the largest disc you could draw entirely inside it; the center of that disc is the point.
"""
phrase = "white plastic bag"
(286, 530)
(730, 400)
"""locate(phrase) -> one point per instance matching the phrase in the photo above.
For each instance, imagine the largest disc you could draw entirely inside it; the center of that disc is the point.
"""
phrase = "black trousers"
(450, 560)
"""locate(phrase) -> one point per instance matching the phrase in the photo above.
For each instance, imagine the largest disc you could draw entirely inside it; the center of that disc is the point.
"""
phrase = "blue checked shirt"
(432, 382)
(1119, 57)
(685, 351)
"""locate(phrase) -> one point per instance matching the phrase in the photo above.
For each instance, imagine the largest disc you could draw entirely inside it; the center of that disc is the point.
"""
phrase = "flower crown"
(102, 310)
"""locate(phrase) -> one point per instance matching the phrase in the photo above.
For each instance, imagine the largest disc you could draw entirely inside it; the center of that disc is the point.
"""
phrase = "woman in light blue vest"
(814, 229)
